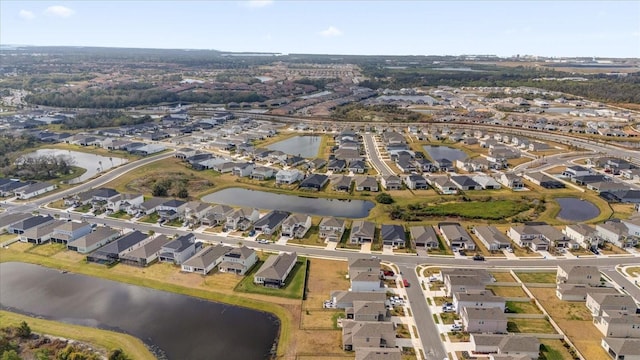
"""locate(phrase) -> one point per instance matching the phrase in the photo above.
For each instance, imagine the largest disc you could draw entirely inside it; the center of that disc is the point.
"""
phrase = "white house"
(288, 176)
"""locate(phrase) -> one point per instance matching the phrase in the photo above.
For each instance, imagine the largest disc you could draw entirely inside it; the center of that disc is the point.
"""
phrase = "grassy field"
(502, 276)
(530, 326)
(537, 277)
(108, 340)
(507, 291)
(631, 271)
(493, 210)
(575, 321)
(520, 307)
(293, 284)
(554, 350)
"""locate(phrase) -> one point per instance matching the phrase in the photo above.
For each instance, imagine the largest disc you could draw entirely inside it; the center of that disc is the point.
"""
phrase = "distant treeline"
(103, 119)
(604, 88)
(118, 98)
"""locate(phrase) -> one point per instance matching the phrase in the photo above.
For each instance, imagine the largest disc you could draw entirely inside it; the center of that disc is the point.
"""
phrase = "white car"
(456, 327)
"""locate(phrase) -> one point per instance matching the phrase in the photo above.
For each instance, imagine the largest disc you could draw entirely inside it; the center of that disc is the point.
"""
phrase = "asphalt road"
(374, 155)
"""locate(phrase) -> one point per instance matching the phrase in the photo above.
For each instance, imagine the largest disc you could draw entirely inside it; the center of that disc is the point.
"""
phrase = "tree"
(24, 331)
(384, 198)
(183, 193)
(117, 354)
(11, 355)
(159, 189)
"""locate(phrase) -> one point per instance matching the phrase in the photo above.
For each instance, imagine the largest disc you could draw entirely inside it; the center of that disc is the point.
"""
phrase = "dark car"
(478, 257)
(462, 253)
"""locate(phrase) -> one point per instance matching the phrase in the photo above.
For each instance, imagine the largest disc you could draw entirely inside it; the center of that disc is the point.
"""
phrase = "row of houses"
(615, 315)
(24, 190)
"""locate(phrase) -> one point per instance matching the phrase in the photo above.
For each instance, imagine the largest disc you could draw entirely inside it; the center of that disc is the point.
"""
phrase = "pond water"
(444, 152)
(291, 203)
(305, 146)
(92, 162)
(173, 326)
(574, 209)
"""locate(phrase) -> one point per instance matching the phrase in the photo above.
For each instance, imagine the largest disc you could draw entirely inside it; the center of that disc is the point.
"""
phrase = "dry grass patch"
(459, 336)
(503, 276)
(314, 342)
(507, 291)
(47, 250)
(530, 326)
(633, 271)
(521, 307)
(622, 211)
(325, 276)
(318, 318)
(575, 321)
(610, 249)
(537, 277)
(7, 237)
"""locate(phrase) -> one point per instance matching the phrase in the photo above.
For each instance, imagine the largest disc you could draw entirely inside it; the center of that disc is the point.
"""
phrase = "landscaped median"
(285, 316)
(109, 340)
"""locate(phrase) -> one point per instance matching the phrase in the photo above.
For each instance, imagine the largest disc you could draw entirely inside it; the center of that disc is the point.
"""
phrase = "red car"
(405, 283)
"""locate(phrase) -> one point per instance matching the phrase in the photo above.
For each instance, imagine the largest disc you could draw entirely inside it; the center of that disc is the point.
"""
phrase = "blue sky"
(504, 28)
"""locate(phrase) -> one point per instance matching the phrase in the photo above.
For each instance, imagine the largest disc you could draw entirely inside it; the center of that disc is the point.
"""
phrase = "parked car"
(478, 257)
(448, 309)
(456, 327)
(388, 273)
(405, 282)
(462, 253)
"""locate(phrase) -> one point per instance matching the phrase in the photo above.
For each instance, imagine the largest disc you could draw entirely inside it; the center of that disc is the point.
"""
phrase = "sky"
(361, 27)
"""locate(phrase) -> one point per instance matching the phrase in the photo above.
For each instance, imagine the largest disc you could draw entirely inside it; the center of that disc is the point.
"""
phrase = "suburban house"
(331, 229)
(7, 219)
(443, 185)
(19, 227)
(341, 183)
(393, 235)
(578, 274)
(633, 225)
(622, 349)
(147, 253)
(243, 169)
(288, 176)
(196, 211)
(482, 299)
(216, 215)
(539, 236)
(40, 234)
(366, 281)
(271, 222)
(368, 311)
(456, 236)
(486, 182)
(206, 259)
(415, 182)
(391, 182)
(362, 232)
(583, 234)
(543, 180)
(599, 303)
(484, 320)
(238, 260)
(617, 233)
(575, 171)
(465, 183)
(314, 182)
(507, 347)
(262, 173)
(94, 240)
(512, 181)
(578, 292)
(275, 270)
(125, 202)
(366, 183)
(357, 334)
(33, 190)
(110, 253)
(346, 299)
(491, 237)
(241, 219)
(462, 283)
(618, 324)
(296, 225)
(424, 237)
(179, 250)
(69, 231)
(357, 167)
(337, 165)
(171, 209)
(364, 265)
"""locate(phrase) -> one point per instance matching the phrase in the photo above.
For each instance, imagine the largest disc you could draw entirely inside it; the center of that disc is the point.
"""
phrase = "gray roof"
(32, 221)
(363, 228)
(149, 248)
(35, 187)
(491, 234)
(332, 221)
(12, 218)
(476, 313)
(207, 256)
(352, 296)
(42, 230)
(95, 237)
(624, 346)
(275, 267)
(242, 252)
(455, 232)
(181, 243)
(464, 181)
(123, 243)
(376, 353)
(423, 234)
(392, 232)
(582, 229)
(272, 219)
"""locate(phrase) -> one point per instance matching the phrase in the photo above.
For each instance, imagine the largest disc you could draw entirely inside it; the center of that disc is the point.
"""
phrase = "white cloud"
(59, 11)
(27, 15)
(254, 4)
(331, 31)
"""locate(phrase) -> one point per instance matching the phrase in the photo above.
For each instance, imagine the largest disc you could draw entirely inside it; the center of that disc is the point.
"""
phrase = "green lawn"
(537, 277)
(520, 307)
(151, 218)
(84, 208)
(120, 215)
(293, 285)
(535, 326)
(489, 210)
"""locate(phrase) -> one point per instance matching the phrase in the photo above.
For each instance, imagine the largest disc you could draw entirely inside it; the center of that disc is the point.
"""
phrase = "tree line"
(41, 167)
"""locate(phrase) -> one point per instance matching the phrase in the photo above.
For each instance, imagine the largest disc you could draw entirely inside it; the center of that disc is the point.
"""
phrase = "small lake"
(92, 162)
(574, 209)
(445, 152)
(305, 146)
(174, 326)
(291, 203)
